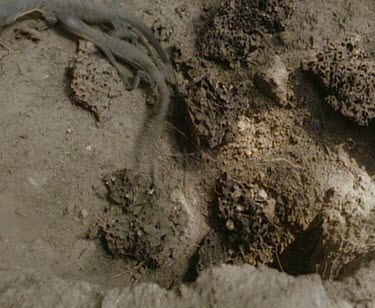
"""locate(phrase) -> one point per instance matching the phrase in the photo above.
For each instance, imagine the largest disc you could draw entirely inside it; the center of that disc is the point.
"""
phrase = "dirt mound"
(248, 229)
(257, 215)
(138, 223)
(249, 219)
(239, 27)
(213, 106)
(90, 85)
(347, 76)
(329, 245)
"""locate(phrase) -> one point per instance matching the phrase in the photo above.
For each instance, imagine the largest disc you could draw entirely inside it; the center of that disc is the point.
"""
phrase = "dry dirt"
(266, 159)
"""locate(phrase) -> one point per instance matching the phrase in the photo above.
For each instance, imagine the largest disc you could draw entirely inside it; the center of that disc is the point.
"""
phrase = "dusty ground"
(279, 173)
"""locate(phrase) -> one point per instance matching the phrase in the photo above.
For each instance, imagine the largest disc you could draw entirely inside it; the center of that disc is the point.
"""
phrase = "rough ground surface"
(278, 100)
(347, 75)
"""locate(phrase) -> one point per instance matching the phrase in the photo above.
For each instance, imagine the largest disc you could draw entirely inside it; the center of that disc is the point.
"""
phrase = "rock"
(273, 81)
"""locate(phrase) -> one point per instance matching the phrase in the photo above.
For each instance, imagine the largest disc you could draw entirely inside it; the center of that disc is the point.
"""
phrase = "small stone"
(83, 214)
(182, 10)
(241, 126)
(69, 209)
(33, 182)
(230, 224)
(273, 81)
(88, 148)
(262, 195)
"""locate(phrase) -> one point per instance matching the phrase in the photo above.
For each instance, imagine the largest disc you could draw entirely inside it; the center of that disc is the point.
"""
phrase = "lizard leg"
(128, 82)
(122, 31)
(123, 73)
(143, 75)
(50, 20)
(50, 17)
(139, 76)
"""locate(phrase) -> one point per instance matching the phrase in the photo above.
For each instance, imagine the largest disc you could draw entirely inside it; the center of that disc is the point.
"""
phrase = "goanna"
(91, 12)
(113, 46)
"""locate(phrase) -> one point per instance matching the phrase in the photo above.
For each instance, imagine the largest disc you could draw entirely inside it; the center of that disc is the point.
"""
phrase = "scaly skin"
(89, 11)
(113, 46)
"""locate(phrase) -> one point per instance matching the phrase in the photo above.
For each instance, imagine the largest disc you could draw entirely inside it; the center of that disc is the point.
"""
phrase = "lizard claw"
(130, 83)
(50, 20)
(123, 32)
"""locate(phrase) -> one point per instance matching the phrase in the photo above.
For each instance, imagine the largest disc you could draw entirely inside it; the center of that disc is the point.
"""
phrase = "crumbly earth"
(258, 164)
(346, 74)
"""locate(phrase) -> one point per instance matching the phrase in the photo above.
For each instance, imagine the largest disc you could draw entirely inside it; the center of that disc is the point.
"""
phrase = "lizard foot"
(145, 77)
(130, 83)
(123, 32)
(138, 77)
(50, 20)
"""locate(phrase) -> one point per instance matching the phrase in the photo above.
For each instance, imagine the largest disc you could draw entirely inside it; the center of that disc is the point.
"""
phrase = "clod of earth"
(239, 27)
(213, 108)
(347, 76)
(138, 224)
(90, 86)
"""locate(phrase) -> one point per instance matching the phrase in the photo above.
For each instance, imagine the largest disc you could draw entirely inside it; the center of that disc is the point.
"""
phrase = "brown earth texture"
(263, 185)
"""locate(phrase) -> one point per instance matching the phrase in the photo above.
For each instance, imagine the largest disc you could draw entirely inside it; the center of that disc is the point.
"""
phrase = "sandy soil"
(275, 176)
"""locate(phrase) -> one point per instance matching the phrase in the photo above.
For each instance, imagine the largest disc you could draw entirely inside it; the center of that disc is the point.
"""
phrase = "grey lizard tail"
(146, 149)
(146, 31)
